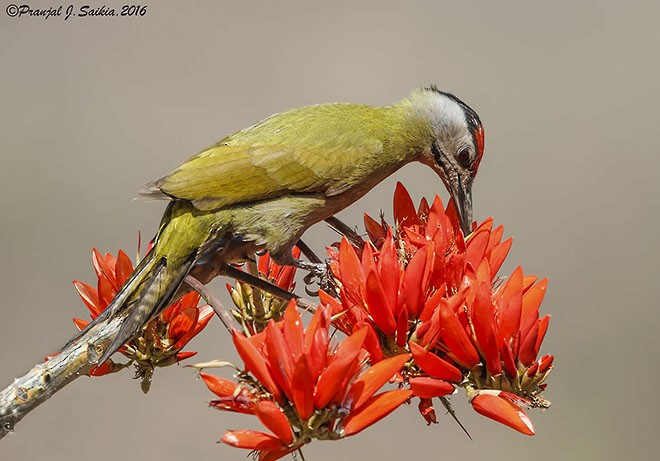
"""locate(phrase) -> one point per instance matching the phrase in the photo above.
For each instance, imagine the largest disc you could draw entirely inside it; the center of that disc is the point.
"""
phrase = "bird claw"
(319, 273)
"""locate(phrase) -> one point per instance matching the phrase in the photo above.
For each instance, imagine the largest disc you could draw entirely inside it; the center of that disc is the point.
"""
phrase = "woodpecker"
(260, 188)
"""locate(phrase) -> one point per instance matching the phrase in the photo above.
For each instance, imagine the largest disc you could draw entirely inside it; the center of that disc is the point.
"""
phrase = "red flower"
(427, 290)
(301, 387)
(162, 338)
(495, 336)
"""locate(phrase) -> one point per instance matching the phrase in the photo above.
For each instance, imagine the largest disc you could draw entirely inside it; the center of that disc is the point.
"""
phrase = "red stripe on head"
(479, 139)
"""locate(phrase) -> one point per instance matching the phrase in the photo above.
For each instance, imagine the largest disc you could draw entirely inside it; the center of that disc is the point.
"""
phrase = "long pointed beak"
(462, 195)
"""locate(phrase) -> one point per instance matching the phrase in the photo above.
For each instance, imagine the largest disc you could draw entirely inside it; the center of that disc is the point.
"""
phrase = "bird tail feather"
(144, 295)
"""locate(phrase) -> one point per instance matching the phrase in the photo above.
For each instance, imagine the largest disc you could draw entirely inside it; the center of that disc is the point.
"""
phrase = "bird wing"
(275, 157)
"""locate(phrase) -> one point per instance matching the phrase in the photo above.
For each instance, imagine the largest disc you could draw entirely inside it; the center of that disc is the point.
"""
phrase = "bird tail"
(144, 295)
(156, 280)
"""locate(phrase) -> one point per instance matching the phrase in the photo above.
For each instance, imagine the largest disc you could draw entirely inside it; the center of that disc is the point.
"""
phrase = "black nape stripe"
(471, 116)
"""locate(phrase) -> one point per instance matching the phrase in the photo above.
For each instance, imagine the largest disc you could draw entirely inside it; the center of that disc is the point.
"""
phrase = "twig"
(308, 252)
(45, 379)
(266, 286)
(344, 229)
(222, 313)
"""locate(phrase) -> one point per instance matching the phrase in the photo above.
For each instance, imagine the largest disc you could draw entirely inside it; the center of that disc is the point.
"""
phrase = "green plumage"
(326, 148)
(261, 187)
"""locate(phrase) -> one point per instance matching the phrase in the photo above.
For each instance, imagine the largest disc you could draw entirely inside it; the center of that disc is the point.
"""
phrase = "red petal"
(280, 360)
(253, 440)
(509, 360)
(543, 328)
(332, 303)
(302, 388)
(530, 305)
(509, 305)
(527, 353)
(205, 316)
(263, 264)
(275, 455)
(432, 303)
(90, 297)
(371, 343)
(475, 248)
(423, 208)
(172, 311)
(219, 386)
(483, 321)
(415, 238)
(103, 269)
(405, 214)
(546, 363)
(453, 217)
(380, 308)
(80, 323)
(185, 355)
(255, 362)
(427, 388)
(258, 341)
(376, 408)
(106, 292)
(273, 418)
(487, 225)
(183, 324)
(434, 365)
(498, 255)
(528, 281)
(293, 330)
(331, 382)
(455, 337)
(412, 289)
(100, 370)
(123, 267)
(374, 229)
(429, 333)
(427, 411)
(367, 259)
(285, 279)
(531, 371)
(317, 340)
(351, 273)
(495, 236)
(402, 327)
(503, 411)
(374, 378)
(389, 270)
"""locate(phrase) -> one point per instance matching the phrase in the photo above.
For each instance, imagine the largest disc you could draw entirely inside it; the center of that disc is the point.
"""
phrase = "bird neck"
(410, 133)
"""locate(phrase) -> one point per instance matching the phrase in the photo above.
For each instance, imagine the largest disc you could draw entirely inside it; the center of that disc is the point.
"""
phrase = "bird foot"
(319, 273)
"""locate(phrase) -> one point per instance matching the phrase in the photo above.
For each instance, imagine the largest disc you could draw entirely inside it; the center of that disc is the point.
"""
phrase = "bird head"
(453, 144)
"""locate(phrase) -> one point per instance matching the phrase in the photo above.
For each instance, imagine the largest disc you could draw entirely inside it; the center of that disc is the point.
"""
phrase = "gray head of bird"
(455, 146)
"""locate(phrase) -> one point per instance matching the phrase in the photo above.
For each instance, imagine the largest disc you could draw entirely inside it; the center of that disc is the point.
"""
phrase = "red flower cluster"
(162, 339)
(301, 387)
(429, 291)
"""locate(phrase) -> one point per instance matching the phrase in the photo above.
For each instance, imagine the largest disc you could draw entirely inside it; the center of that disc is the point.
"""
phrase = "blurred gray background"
(92, 108)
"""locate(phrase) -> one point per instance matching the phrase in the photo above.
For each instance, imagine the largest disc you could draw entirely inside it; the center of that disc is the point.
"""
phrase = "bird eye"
(464, 157)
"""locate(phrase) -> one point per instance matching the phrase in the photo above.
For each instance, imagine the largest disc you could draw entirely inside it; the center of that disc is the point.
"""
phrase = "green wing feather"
(312, 149)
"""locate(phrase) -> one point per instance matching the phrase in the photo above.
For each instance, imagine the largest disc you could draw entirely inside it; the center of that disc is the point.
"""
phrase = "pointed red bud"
(434, 365)
(253, 440)
(274, 419)
(427, 411)
(492, 406)
(374, 378)
(376, 408)
(426, 387)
